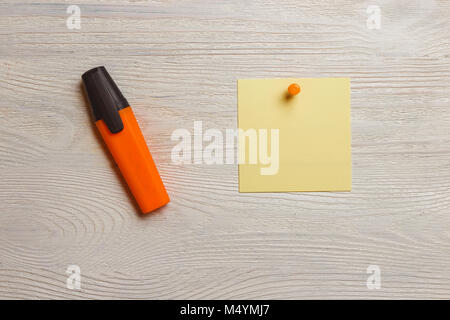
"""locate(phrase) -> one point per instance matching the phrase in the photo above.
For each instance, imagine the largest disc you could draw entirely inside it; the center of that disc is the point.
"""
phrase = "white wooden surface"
(63, 202)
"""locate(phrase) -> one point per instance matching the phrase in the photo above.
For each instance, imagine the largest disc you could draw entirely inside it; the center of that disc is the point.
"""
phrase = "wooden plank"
(64, 202)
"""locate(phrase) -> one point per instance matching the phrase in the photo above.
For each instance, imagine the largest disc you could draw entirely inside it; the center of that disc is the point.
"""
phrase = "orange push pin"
(294, 89)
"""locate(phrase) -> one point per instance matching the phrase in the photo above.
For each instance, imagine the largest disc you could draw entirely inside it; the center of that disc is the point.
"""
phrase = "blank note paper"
(294, 143)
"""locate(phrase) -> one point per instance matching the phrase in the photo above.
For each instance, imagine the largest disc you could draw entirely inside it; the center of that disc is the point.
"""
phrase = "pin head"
(294, 89)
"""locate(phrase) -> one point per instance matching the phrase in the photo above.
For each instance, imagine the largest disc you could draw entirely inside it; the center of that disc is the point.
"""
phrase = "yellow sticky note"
(294, 143)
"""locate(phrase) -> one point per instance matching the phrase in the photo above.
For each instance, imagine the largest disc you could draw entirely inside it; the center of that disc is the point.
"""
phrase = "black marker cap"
(105, 97)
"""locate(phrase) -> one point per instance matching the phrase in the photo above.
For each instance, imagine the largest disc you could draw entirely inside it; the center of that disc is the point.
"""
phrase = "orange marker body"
(134, 160)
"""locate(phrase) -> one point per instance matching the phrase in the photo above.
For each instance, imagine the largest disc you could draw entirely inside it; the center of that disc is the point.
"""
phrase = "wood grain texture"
(63, 201)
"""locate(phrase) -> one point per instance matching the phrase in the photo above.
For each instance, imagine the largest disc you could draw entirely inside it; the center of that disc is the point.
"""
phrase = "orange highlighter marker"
(119, 129)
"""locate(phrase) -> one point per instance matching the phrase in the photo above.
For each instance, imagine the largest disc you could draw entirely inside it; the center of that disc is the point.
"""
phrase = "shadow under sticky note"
(314, 135)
